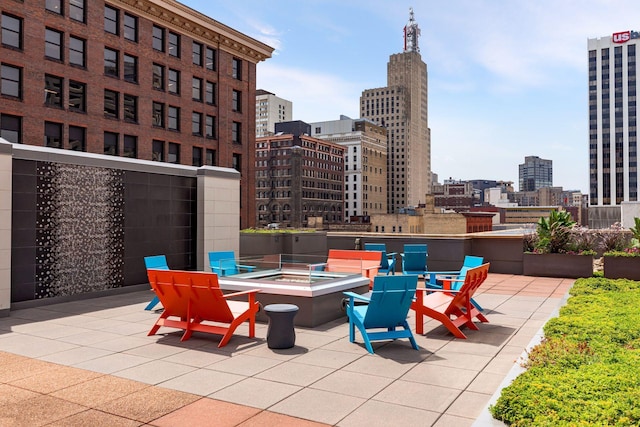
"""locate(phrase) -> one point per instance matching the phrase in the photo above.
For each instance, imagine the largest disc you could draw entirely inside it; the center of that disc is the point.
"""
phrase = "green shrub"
(586, 372)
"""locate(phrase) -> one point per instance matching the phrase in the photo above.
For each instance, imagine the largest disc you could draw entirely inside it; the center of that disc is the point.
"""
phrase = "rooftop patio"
(91, 362)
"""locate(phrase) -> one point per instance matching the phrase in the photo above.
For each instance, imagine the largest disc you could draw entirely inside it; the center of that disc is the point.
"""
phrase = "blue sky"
(507, 78)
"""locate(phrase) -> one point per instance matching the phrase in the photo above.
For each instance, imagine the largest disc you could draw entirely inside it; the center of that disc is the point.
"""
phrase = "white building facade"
(365, 164)
(613, 118)
(270, 110)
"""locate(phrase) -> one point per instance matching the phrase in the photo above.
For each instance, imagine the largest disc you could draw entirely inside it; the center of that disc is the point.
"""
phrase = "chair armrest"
(235, 294)
(445, 273)
(430, 290)
(392, 254)
(353, 295)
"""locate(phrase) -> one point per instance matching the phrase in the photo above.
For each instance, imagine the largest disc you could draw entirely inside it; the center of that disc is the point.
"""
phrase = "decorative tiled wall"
(79, 229)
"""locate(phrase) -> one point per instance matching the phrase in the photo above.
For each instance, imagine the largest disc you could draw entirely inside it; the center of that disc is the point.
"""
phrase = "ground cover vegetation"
(586, 371)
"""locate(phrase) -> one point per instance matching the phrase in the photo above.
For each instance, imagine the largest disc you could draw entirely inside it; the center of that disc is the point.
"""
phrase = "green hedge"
(586, 372)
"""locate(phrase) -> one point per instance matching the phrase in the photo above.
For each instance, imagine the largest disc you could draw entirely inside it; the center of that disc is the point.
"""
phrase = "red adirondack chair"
(191, 298)
(452, 308)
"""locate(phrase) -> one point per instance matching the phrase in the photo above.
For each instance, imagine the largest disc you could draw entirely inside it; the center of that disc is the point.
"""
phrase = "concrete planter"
(557, 265)
(622, 267)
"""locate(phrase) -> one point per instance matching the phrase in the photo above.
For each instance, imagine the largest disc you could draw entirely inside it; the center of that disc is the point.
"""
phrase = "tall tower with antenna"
(402, 108)
(411, 34)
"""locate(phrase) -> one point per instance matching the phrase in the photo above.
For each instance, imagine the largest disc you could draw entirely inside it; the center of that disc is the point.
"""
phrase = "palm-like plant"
(554, 233)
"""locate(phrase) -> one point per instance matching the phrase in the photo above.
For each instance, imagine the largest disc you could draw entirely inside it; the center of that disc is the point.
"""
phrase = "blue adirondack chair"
(388, 263)
(456, 278)
(387, 309)
(157, 262)
(223, 263)
(415, 263)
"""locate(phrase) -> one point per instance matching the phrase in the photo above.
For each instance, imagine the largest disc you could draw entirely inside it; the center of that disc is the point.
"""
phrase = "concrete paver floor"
(90, 363)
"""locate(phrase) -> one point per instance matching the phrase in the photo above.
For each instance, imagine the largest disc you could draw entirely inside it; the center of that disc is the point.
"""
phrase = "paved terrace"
(91, 363)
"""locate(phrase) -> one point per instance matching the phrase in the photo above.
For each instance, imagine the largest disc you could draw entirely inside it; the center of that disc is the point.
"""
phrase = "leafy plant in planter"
(557, 234)
(622, 245)
(558, 246)
(623, 260)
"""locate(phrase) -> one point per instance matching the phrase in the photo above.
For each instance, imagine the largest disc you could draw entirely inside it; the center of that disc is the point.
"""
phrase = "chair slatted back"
(380, 247)
(473, 279)
(391, 298)
(191, 294)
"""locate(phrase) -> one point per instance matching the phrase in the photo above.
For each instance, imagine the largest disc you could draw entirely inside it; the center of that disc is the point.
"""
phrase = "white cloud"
(316, 96)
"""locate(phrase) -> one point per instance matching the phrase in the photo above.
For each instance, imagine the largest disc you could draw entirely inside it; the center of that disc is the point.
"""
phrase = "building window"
(53, 135)
(173, 118)
(157, 151)
(54, 6)
(235, 162)
(158, 38)
(158, 77)
(77, 138)
(111, 104)
(11, 84)
(130, 27)
(174, 153)
(174, 45)
(76, 10)
(130, 146)
(236, 70)
(196, 123)
(53, 44)
(111, 143)
(210, 58)
(11, 31)
(174, 81)
(77, 51)
(210, 127)
(130, 68)
(111, 22)
(236, 101)
(111, 62)
(158, 114)
(196, 55)
(196, 89)
(77, 96)
(211, 158)
(11, 128)
(53, 91)
(130, 103)
(210, 93)
(236, 131)
(196, 156)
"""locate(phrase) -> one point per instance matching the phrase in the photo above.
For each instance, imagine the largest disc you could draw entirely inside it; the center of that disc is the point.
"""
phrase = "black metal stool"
(281, 333)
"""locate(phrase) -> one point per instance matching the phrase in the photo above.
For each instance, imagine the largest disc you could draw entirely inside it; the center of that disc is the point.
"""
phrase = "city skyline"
(508, 77)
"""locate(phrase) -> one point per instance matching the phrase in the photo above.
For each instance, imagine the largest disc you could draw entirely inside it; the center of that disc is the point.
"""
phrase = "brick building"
(299, 178)
(147, 79)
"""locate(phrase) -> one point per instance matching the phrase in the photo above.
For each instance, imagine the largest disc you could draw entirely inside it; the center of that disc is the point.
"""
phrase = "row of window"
(76, 11)
(114, 143)
(12, 36)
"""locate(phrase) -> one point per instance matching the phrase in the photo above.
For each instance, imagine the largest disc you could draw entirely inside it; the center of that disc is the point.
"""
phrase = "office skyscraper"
(613, 118)
(401, 107)
(535, 173)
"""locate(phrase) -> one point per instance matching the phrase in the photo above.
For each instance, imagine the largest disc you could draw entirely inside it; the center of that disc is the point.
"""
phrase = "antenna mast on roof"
(411, 34)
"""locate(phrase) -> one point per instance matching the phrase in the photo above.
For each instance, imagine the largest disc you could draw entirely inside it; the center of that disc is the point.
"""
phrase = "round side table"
(281, 333)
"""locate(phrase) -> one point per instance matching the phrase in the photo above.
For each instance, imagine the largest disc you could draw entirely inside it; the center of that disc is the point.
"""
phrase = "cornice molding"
(201, 27)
